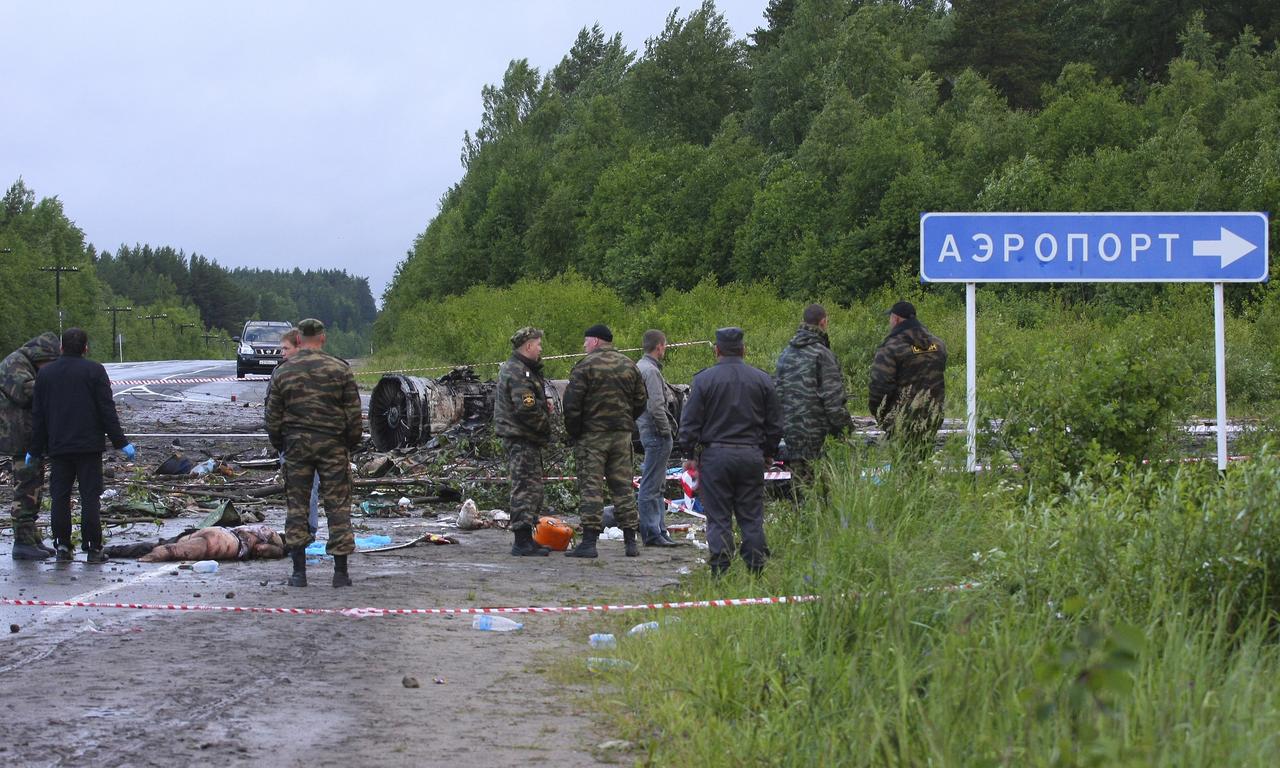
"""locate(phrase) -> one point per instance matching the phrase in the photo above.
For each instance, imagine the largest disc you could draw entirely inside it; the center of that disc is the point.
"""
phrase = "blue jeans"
(313, 514)
(653, 474)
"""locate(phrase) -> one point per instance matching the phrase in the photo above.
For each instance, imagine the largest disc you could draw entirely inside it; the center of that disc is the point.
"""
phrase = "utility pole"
(206, 336)
(57, 289)
(182, 327)
(115, 337)
(153, 319)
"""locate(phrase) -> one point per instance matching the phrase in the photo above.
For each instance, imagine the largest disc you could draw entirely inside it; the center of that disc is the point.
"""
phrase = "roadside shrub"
(1063, 411)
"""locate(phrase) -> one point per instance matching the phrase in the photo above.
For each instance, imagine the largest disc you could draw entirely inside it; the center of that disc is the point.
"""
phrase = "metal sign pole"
(1220, 364)
(971, 372)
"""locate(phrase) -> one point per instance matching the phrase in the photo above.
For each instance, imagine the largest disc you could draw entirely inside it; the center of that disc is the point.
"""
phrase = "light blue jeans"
(653, 474)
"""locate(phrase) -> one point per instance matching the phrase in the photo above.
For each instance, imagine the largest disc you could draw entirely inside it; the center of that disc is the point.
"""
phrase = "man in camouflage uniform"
(907, 388)
(313, 415)
(811, 388)
(605, 395)
(522, 418)
(17, 385)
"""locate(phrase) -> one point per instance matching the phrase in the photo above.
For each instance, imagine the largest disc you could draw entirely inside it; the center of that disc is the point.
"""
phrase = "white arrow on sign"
(1229, 246)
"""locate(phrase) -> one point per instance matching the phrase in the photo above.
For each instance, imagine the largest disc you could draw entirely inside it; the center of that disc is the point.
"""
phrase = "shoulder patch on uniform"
(919, 350)
(527, 400)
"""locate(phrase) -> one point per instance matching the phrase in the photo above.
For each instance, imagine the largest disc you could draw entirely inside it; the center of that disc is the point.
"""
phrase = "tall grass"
(1125, 622)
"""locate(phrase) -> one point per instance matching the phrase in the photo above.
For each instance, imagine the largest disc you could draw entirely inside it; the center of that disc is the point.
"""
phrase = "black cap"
(903, 309)
(729, 340)
(599, 331)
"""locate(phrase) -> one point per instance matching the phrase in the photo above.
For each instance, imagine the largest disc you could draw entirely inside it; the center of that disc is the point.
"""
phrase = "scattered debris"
(377, 466)
(490, 623)
(470, 518)
(409, 681)
(602, 663)
(14, 628)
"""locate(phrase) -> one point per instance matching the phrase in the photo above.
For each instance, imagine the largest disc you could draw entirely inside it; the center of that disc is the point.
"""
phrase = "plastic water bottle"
(640, 629)
(205, 566)
(489, 623)
(603, 640)
(601, 663)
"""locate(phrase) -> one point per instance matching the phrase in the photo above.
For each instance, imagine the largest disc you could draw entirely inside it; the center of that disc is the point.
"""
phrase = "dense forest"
(803, 156)
(179, 306)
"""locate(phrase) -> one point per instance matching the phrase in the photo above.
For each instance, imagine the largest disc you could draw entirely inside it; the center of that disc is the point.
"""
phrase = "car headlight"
(245, 349)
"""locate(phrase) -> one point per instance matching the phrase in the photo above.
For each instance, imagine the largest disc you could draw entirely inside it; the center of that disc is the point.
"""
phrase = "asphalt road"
(156, 687)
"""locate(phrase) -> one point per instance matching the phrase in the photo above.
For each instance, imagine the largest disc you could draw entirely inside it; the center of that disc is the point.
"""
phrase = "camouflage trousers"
(524, 462)
(605, 457)
(28, 487)
(306, 455)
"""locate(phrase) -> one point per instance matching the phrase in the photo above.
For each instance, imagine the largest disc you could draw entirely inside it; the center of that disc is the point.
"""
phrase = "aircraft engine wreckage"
(407, 411)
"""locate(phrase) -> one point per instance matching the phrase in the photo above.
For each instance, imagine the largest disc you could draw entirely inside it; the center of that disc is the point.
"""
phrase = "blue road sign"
(1093, 247)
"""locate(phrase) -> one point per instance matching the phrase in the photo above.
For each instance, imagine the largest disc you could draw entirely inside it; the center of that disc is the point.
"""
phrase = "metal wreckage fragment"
(407, 411)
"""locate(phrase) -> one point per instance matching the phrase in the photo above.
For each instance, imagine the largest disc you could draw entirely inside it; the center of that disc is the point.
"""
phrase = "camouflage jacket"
(811, 388)
(17, 386)
(605, 394)
(314, 392)
(520, 409)
(907, 377)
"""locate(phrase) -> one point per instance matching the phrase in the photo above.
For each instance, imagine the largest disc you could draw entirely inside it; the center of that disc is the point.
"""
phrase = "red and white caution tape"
(367, 612)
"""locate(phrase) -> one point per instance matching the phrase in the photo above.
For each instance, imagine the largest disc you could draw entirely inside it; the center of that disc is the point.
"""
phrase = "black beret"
(903, 309)
(599, 331)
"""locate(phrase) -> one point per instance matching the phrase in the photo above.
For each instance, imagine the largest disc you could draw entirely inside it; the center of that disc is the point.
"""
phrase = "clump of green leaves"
(1066, 411)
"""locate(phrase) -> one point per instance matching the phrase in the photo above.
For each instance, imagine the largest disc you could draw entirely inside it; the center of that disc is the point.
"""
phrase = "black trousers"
(731, 486)
(84, 469)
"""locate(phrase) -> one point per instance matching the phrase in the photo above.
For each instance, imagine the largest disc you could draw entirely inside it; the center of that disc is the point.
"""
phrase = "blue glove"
(129, 451)
(28, 459)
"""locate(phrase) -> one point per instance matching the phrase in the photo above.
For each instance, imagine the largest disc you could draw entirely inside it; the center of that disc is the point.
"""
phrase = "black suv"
(258, 347)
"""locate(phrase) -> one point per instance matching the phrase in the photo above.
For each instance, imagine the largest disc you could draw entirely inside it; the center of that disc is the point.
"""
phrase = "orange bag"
(553, 533)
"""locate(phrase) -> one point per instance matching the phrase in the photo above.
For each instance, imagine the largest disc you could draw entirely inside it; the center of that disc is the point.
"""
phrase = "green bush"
(1061, 410)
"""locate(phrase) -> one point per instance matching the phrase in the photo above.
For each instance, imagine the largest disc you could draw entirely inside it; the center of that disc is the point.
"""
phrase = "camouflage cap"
(310, 327)
(524, 335)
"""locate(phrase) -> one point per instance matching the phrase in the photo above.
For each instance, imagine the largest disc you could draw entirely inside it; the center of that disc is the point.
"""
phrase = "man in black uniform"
(734, 418)
(71, 409)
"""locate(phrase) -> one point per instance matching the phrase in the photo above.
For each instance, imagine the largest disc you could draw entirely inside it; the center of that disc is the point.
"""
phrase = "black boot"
(340, 576)
(26, 542)
(629, 541)
(25, 551)
(586, 547)
(299, 576)
(525, 546)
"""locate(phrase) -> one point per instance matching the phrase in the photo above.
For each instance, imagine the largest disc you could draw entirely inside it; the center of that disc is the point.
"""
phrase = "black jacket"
(73, 409)
(731, 402)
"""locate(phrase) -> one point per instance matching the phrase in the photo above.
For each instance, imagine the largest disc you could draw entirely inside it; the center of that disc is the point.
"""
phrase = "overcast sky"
(267, 133)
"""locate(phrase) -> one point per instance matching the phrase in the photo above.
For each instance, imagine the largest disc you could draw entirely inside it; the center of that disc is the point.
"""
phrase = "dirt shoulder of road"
(163, 688)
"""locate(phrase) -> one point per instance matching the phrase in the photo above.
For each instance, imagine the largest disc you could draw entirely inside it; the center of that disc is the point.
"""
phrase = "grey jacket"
(655, 418)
